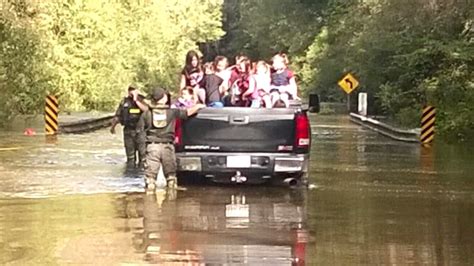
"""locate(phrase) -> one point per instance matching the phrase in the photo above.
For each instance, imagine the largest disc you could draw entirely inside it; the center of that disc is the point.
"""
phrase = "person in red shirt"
(239, 81)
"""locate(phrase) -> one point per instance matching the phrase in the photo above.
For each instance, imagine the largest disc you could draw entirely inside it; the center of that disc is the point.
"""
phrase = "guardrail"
(86, 125)
(387, 130)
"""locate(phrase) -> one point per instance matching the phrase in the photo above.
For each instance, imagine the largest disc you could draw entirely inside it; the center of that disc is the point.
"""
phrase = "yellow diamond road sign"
(348, 83)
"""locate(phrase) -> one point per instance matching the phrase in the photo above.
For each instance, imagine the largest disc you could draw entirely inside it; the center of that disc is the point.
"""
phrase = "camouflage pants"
(134, 143)
(159, 155)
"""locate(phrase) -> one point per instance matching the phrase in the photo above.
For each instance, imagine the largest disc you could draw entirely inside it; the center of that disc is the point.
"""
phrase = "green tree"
(23, 73)
(87, 52)
(260, 28)
(406, 54)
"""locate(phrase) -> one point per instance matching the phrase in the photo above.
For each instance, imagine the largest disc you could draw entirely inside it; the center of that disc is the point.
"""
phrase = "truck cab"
(245, 145)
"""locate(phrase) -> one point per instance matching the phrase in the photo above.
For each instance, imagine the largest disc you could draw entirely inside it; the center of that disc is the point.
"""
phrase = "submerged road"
(375, 201)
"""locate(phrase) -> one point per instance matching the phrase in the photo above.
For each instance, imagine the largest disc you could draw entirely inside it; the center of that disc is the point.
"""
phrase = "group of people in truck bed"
(149, 124)
(245, 84)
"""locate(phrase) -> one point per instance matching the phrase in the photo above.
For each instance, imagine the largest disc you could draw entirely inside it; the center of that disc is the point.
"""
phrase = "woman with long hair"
(192, 76)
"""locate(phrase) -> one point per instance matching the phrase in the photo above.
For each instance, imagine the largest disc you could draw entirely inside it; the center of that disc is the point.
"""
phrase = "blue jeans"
(255, 103)
(215, 104)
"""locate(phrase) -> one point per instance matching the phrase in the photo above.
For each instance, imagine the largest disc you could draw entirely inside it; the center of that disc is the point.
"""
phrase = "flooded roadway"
(376, 201)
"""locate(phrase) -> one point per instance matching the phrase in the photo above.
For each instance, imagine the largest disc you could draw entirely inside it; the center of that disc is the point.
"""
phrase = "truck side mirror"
(314, 103)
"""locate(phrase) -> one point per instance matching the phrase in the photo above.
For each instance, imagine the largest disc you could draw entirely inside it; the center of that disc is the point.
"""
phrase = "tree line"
(88, 52)
(405, 53)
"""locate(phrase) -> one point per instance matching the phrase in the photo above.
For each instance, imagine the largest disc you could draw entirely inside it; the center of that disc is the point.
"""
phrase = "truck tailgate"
(235, 129)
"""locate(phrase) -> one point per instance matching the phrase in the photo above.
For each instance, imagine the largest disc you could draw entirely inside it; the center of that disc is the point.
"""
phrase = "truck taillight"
(302, 134)
(178, 132)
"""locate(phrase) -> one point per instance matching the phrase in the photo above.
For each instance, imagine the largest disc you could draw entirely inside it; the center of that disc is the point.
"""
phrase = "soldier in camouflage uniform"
(158, 123)
(128, 113)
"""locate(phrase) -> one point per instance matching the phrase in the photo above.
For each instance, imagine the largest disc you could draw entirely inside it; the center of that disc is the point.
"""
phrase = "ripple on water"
(73, 165)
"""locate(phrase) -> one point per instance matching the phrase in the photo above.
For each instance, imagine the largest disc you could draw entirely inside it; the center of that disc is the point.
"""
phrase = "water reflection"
(221, 226)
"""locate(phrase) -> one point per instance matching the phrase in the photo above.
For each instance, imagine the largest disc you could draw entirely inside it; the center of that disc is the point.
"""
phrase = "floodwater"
(373, 201)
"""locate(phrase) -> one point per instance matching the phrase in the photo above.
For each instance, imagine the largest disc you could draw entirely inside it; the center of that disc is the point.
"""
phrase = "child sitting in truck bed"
(212, 86)
(261, 85)
(283, 83)
(240, 83)
(186, 99)
(221, 69)
(192, 76)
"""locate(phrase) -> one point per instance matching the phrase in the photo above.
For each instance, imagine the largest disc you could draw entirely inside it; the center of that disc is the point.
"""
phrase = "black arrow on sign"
(347, 80)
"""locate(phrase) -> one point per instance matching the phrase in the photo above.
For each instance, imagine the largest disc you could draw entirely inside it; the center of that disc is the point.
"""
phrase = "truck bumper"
(244, 168)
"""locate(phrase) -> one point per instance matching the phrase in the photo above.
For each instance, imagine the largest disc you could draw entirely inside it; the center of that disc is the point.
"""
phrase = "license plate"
(238, 161)
(237, 211)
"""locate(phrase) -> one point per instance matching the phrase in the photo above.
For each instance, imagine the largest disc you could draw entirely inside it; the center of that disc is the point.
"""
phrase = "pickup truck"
(245, 145)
